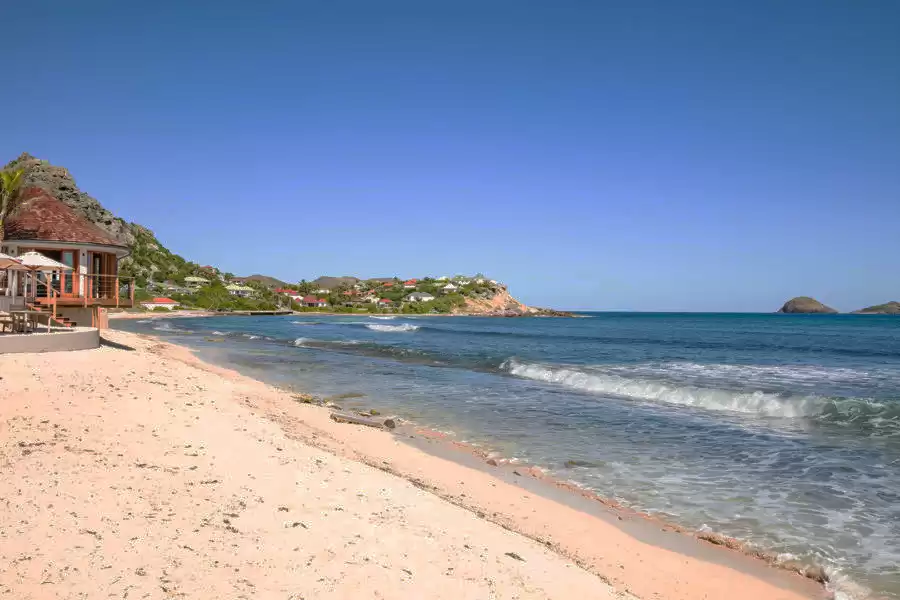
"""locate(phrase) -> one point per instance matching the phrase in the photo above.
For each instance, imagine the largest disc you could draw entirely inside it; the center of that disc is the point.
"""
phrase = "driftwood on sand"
(343, 417)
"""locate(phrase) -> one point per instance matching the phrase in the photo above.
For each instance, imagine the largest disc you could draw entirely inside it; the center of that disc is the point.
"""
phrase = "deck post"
(132, 292)
(117, 291)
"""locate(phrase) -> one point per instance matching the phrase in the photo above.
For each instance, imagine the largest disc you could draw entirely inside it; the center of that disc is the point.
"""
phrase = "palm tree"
(10, 195)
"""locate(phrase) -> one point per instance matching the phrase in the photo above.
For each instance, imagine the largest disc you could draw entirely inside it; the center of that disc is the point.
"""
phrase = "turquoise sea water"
(780, 430)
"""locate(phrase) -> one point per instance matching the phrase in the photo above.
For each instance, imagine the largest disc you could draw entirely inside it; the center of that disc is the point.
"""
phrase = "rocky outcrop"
(502, 304)
(60, 184)
(888, 308)
(806, 305)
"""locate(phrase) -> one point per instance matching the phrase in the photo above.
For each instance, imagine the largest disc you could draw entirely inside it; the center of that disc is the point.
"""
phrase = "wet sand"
(137, 470)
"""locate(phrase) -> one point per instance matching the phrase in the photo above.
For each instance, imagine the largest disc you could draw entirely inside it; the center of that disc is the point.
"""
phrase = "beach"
(137, 470)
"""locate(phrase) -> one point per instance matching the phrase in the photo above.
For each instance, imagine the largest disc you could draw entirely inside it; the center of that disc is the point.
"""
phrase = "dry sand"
(146, 473)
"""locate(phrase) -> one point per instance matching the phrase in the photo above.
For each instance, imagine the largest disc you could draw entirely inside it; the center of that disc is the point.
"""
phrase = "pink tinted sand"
(149, 474)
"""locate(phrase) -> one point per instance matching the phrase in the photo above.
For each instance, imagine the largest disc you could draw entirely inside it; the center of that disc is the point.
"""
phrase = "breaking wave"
(403, 327)
(387, 318)
(765, 404)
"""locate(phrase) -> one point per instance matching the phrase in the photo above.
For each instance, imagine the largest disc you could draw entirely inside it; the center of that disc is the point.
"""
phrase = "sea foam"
(755, 402)
(403, 327)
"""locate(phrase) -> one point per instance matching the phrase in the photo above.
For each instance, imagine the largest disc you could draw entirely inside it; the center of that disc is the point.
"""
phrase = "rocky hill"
(888, 308)
(61, 185)
(805, 305)
(149, 259)
(265, 280)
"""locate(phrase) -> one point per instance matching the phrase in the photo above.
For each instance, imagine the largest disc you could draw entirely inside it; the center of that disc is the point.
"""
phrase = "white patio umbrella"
(35, 261)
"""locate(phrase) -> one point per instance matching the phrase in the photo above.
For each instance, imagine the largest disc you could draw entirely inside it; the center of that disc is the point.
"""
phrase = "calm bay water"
(780, 430)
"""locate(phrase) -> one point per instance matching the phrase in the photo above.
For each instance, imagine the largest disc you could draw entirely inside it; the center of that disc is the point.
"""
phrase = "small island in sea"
(888, 308)
(806, 305)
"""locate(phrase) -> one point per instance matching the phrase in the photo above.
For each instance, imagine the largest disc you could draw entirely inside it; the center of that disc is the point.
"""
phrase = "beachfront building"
(410, 284)
(385, 303)
(76, 295)
(313, 302)
(449, 288)
(195, 283)
(419, 297)
(241, 291)
(166, 303)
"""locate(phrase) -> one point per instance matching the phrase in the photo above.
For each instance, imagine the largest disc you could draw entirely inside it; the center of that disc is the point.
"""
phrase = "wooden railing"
(110, 290)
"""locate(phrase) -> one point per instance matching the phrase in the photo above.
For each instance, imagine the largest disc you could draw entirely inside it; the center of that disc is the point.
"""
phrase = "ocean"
(780, 430)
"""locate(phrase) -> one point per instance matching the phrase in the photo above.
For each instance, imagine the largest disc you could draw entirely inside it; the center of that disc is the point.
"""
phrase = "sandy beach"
(139, 471)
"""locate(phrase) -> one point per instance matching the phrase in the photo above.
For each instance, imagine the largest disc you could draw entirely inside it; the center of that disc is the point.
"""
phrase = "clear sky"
(638, 155)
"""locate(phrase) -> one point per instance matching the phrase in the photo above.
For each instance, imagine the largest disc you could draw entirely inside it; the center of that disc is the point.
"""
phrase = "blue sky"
(632, 155)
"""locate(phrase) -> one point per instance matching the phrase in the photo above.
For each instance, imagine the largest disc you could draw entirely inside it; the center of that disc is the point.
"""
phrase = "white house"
(241, 291)
(442, 278)
(419, 297)
(449, 288)
(166, 303)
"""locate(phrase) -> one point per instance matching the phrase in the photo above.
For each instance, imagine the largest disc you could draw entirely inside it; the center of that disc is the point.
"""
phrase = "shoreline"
(709, 547)
(634, 554)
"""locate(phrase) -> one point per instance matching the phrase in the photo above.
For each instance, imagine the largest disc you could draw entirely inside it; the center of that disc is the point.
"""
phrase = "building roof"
(43, 217)
(197, 279)
(311, 299)
(236, 288)
(159, 301)
(385, 301)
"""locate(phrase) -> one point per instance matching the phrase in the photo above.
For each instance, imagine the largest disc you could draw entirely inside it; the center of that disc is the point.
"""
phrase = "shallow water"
(780, 430)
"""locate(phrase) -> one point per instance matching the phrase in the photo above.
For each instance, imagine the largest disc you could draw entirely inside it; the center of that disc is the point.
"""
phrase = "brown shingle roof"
(43, 217)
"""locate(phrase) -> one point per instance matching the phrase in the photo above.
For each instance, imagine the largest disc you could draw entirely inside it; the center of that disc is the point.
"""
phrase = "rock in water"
(806, 305)
(888, 308)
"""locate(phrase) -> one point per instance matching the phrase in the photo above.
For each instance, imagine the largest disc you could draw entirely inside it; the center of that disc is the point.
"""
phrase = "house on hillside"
(385, 303)
(194, 282)
(51, 228)
(294, 295)
(387, 284)
(449, 288)
(323, 291)
(441, 278)
(419, 297)
(166, 303)
(173, 288)
(462, 280)
(410, 284)
(313, 302)
(370, 298)
(241, 291)
(481, 281)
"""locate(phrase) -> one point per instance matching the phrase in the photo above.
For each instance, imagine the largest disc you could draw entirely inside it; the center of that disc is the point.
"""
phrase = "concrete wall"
(79, 315)
(78, 338)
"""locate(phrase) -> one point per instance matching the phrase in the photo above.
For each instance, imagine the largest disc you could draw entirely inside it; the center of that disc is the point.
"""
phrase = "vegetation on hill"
(888, 308)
